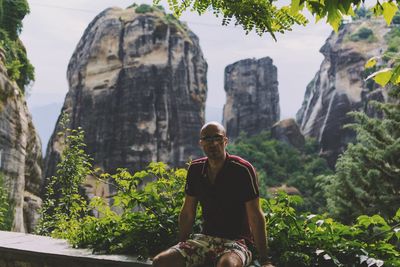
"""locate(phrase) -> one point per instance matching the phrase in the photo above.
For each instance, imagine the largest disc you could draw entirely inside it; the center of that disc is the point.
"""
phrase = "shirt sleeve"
(250, 184)
(190, 188)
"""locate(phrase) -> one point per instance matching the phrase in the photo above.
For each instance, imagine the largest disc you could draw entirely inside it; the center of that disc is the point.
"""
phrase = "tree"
(64, 200)
(266, 16)
(367, 174)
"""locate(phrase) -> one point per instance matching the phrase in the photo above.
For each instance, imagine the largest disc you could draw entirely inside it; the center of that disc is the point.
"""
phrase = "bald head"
(213, 125)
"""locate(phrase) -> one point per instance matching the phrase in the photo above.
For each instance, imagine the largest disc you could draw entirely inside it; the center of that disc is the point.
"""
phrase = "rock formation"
(137, 87)
(339, 85)
(20, 154)
(288, 131)
(252, 98)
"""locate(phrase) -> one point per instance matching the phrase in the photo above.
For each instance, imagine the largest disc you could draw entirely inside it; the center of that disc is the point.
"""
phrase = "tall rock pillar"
(252, 98)
(137, 87)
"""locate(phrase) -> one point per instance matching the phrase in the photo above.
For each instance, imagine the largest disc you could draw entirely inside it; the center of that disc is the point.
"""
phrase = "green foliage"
(17, 64)
(367, 174)
(393, 42)
(267, 16)
(363, 34)
(148, 213)
(64, 202)
(317, 240)
(370, 83)
(396, 19)
(262, 16)
(11, 15)
(278, 163)
(149, 202)
(361, 13)
(5, 208)
(143, 8)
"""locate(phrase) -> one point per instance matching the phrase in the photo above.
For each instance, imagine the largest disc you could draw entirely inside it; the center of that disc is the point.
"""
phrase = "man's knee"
(230, 260)
(169, 258)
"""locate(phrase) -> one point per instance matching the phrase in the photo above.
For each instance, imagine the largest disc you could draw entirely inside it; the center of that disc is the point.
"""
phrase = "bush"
(396, 19)
(317, 240)
(143, 8)
(5, 208)
(393, 41)
(362, 34)
(147, 223)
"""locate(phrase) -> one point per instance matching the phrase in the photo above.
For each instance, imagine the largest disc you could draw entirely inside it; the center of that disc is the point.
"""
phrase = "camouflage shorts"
(204, 249)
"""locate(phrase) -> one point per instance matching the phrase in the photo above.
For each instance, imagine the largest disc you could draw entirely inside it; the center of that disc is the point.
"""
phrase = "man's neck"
(216, 164)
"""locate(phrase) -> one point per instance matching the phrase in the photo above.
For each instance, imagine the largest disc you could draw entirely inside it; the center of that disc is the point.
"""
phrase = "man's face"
(213, 142)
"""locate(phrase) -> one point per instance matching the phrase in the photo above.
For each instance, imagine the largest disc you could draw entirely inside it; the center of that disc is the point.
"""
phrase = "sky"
(53, 28)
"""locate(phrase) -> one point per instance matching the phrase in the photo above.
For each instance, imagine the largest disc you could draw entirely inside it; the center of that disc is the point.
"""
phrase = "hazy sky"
(54, 27)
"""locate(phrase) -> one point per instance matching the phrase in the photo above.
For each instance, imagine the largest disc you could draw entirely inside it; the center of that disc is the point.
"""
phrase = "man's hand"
(267, 264)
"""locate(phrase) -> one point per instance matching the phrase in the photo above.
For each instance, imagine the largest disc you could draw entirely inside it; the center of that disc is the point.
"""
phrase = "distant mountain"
(44, 118)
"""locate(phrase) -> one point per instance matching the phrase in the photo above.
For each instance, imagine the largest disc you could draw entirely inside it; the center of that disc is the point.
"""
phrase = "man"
(226, 187)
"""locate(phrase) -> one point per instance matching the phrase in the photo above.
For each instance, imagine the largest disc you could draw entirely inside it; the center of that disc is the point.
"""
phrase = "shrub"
(396, 18)
(362, 34)
(317, 240)
(393, 41)
(5, 209)
(64, 202)
(149, 213)
(143, 8)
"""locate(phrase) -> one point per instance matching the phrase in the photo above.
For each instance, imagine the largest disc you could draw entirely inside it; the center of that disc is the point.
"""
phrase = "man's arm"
(187, 217)
(257, 225)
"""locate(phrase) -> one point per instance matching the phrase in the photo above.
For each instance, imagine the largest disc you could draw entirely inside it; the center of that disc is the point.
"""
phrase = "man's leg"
(169, 258)
(230, 259)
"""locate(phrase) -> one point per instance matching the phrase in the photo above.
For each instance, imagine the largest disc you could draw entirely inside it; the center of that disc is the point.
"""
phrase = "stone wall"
(25, 250)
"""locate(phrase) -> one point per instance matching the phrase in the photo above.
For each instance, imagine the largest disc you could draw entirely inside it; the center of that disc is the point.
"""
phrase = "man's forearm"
(259, 235)
(185, 226)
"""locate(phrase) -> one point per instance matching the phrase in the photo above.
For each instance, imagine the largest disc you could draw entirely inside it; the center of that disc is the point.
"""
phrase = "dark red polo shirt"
(223, 203)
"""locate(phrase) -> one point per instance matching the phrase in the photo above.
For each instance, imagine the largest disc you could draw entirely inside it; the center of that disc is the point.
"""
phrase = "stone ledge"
(26, 250)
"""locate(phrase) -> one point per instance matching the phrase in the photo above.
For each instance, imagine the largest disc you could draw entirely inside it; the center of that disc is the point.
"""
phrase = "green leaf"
(389, 10)
(346, 4)
(295, 6)
(397, 216)
(377, 9)
(381, 77)
(396, 75)
(371, 62)
(334, 15)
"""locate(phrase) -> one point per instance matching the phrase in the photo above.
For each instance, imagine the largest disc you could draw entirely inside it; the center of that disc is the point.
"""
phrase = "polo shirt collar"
(205, 165)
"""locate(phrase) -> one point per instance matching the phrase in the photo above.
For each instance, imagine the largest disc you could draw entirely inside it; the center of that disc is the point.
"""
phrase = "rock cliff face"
(20, 154)
(252, 98)
(339, 85)
(137, 86)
